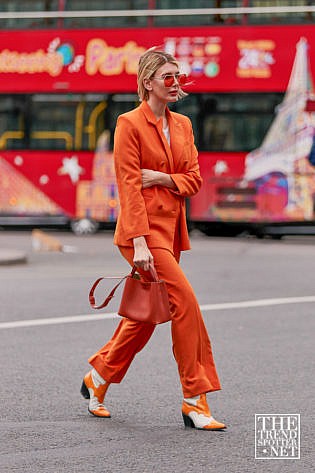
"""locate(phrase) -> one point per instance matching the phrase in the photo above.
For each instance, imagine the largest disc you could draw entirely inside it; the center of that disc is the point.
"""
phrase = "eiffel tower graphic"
(19, 196)
(288, 142)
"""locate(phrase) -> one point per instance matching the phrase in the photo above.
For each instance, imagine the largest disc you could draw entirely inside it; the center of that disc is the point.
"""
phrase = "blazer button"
(160, 207)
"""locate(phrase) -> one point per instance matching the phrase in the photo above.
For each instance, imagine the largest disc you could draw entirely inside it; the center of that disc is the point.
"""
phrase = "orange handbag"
(142, 301)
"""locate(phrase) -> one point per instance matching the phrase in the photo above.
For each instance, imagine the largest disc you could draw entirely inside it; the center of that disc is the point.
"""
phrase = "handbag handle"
(112, 292)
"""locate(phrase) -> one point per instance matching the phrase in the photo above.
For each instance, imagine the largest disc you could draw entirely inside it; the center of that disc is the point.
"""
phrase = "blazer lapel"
(177, 139)
(159, 127)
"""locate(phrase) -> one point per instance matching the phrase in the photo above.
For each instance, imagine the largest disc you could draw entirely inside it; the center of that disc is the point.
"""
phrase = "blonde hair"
(149, 63)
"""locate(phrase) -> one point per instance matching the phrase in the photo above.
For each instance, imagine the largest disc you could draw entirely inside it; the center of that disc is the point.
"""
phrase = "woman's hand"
(142, 256)
(156, 178)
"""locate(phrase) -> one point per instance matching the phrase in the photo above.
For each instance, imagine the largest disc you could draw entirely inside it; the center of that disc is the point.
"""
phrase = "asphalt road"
(258, 299)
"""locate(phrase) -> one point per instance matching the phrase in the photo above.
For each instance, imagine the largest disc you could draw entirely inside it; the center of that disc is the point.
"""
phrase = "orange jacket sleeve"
(129, 181)
(189, 182)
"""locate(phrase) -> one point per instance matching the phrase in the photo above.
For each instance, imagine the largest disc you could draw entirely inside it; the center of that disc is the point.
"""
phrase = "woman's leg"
(113, 359)
(191, 344)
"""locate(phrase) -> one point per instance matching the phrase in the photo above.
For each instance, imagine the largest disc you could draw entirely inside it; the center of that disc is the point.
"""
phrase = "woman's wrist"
(156, 178)
(139, 242)
(165, 180)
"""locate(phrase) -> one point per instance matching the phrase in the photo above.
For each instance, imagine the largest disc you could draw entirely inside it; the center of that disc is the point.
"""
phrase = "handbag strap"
(110, 295)
(112, 292)
(153, 273)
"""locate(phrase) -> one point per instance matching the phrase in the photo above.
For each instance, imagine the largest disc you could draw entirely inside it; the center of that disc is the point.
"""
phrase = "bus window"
(218, 133)
(28, 5)
(105, 22)
(118, 104)
(189, 106)
(52, 122)
(90, 120)
(12, 122)
(67, 122)
(235, 122)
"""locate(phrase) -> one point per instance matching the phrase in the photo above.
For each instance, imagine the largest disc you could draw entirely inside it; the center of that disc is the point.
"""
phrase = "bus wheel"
(84, 226)
(276, 236)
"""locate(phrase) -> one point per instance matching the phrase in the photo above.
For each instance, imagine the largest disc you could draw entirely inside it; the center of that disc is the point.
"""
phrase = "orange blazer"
(158, 213)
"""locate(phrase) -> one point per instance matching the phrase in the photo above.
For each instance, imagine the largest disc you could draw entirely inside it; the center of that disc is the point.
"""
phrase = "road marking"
(113, 315)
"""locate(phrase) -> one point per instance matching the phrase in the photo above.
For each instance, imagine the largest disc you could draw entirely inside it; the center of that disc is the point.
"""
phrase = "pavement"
(37, 240)
(10, 256)
(257, 299)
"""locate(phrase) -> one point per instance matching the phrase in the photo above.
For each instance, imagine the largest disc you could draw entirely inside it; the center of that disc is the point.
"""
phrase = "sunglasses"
(169, 79)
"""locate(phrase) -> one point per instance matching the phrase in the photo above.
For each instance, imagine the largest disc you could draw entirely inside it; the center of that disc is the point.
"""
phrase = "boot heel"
(188, 422)
(84, 391)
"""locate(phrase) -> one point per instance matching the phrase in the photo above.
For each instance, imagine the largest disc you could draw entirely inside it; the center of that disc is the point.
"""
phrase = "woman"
(157, 168)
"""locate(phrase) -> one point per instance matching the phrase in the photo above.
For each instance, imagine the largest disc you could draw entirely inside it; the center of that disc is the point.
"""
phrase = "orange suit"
(159, 214)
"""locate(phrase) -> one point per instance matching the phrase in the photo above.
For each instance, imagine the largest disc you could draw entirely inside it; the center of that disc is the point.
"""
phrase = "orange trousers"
(191, 344)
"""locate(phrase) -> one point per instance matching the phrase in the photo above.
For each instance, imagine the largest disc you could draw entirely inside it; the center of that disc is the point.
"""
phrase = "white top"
(166, 132)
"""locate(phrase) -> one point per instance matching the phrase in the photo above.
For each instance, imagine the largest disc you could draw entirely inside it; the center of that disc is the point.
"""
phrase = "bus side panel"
(50, 183)
(227, 197)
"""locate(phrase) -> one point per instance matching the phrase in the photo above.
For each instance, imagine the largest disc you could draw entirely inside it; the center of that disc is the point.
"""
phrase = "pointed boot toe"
(95, 392)
(214, 425)
(196, 414)
(99, 410)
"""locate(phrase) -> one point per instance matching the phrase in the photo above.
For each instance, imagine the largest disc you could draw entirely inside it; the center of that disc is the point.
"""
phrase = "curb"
(8, 257)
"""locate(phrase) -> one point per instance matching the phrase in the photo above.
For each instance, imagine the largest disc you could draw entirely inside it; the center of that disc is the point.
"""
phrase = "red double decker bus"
(63, 83)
